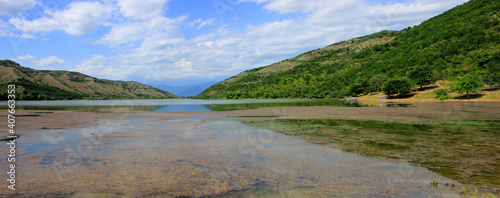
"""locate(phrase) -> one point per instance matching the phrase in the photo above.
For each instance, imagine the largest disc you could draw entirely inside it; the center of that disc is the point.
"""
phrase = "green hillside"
(461, 41)
(34, 84)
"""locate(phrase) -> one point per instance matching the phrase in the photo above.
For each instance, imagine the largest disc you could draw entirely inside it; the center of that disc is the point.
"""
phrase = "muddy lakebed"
(253, 148)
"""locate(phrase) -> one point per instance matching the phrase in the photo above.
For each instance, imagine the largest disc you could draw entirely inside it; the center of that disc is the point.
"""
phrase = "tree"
(378, 80)
(421, 75)
(492, 79)
(360, 86)
(470, 83)
(400, 86)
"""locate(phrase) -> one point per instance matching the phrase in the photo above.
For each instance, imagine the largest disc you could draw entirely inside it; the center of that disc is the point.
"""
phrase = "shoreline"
(417, 111)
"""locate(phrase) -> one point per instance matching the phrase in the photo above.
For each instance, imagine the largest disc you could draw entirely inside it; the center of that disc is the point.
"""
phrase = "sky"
(181, 42)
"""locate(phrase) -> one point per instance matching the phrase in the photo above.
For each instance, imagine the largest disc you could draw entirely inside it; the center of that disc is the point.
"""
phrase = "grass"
(466, 151)
(425, 95)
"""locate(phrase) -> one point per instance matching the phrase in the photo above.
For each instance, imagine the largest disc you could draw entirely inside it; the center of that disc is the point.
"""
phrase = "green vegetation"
(492, 79)
(464, 192)
(464, 150)
(435, 181)
(470, 83)
(421, 75)
(399, 86)
(35, 91)
(461, 41)
(442, 94)
(377, 81)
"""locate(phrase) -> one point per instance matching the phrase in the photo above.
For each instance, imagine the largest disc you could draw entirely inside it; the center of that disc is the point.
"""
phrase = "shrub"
(442, 94)
(400, 86)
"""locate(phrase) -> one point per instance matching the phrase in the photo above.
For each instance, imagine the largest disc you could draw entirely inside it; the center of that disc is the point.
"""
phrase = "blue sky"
(177, 42)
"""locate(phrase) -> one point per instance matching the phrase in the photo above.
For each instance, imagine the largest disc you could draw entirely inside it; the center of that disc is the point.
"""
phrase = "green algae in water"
(464, 150)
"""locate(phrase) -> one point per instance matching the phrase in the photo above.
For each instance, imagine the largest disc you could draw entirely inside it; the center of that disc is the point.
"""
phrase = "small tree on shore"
(378, 80)
(470, 83)
(400, 86)
(492, 79)
(421, 75)
(360, 86)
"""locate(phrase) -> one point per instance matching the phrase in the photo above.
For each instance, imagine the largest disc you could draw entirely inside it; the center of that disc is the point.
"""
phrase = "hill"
(463, 40)
(34, 84)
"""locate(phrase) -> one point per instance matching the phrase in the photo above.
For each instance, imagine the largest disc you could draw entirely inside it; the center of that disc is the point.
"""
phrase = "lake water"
(173, 105)
(149, 151)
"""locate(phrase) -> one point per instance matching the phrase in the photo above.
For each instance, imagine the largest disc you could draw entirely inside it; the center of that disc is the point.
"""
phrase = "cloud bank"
(152, 48)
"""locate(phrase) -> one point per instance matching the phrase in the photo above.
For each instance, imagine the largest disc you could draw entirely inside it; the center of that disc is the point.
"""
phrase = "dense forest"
(459, 46)
(34, 84)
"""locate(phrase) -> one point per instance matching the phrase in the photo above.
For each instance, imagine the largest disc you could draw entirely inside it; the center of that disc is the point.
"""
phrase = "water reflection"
(182, 108)
(179, 105)
(177, 155)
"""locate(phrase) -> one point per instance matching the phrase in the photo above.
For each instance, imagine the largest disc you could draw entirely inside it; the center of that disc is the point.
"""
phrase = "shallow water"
(160, 154)
(178, 105)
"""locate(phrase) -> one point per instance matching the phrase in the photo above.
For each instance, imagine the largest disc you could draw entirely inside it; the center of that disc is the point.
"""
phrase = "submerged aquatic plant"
(463, 191)
(435, 181)
(475, 194)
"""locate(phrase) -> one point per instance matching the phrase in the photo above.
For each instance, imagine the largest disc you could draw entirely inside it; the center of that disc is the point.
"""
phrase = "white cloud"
(28, 36)
(157, 50)
(297, 6)
(3, 28)
(79, 18)
(9, 7)
(141, 9)
(200, 22)
(105, 67)
(43, 24)
(193, 23)
(50, 61)
(123, 33)
(143, 19)
(44, 62)
(27, 57)
(206, 22)
(206, 43)
(92, 64)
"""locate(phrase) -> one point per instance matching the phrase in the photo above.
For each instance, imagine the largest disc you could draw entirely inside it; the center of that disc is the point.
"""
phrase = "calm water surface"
(155, 153)
(175, 105)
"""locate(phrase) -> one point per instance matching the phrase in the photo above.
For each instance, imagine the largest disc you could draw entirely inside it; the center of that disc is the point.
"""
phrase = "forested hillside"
(461, 42)
(34, 84)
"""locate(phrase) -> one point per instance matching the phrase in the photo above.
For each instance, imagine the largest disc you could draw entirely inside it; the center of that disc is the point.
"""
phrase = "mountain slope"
(58, 85)
(462, 40)
(187, 90)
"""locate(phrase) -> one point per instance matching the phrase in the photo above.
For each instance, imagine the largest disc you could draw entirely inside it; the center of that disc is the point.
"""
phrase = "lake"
(173, 105)
(179, 148)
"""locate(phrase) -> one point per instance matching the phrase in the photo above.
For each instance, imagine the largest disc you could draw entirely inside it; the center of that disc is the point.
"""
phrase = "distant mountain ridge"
(187, 90)
(61, 85)
(463, 40)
